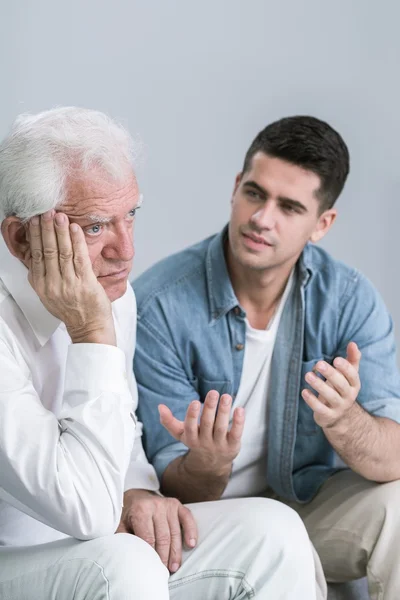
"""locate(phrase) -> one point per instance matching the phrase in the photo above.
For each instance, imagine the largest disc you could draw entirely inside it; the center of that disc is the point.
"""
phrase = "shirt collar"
(306, 266)
(14, 276)
(220, 291)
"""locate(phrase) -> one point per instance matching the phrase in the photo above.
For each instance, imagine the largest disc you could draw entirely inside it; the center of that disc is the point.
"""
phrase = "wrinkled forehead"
(97, 193)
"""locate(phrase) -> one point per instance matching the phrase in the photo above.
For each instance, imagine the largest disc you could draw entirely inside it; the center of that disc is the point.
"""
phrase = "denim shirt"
(191, 338)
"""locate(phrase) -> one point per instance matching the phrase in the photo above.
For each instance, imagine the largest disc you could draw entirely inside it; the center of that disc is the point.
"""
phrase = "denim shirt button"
(239, 346)
(236, 310)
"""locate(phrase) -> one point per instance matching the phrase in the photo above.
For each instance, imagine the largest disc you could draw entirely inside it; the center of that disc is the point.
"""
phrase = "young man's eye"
(253, 194)
(289, 209)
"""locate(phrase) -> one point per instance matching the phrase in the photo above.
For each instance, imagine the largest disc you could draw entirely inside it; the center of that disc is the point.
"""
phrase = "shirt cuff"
(163, 457)
(141, 476)
(96, 368)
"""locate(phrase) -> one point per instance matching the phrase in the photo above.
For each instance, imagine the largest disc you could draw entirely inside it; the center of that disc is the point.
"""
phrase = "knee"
(384, 503)
(131, 566)
(273, 520)
(131, 554)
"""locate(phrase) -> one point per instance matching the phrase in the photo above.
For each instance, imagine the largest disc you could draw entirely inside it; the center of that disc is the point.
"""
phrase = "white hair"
(43, 151)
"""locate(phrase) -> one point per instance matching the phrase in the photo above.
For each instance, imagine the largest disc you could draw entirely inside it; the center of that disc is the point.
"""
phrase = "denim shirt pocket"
(306, 424)
(206, 385)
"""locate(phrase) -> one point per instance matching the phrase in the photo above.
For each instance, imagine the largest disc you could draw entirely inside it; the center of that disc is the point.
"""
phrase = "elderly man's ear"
(16, 237)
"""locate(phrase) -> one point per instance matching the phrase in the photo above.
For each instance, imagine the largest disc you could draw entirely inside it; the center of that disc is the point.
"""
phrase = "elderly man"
(68, 199)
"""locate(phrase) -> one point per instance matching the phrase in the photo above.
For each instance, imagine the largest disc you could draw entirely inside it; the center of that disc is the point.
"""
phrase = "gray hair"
(43, 151)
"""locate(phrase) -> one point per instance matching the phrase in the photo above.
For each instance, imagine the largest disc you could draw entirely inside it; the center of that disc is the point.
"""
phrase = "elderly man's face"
(106, 212)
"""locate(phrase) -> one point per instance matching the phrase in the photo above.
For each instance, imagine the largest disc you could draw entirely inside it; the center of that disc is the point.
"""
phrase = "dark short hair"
(308, 143)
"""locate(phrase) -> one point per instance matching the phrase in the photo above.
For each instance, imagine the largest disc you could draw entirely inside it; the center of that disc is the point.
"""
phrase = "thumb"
(171, 424)
(353, 355)
(122, 528)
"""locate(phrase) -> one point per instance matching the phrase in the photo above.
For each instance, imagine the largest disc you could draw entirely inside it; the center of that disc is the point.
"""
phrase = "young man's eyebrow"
(255, 186)
(282, 199)
(293, 203)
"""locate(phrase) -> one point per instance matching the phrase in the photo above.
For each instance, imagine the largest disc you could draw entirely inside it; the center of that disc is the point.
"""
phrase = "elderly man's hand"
(62, 276)
(161, 522)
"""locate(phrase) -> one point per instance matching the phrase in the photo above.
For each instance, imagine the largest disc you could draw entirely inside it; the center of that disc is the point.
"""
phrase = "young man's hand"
(211, 442)
(337, 395)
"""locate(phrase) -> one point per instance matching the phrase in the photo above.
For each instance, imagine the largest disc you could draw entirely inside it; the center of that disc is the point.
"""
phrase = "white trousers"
(248, 548)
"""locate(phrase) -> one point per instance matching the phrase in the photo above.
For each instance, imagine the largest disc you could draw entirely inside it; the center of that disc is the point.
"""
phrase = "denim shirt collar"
(221, 295)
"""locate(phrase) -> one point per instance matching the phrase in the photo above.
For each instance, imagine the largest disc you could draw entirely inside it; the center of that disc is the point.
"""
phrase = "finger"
(333, 376)
(37, 267)
(191, 423)
(65, 252)
(175, 549)
(354, 355)
(222, 419)
(315, 404)
(50, 246)
(82, 264)
(189, 526)
(162, 536)
(143, 527)
(348, 370)
(171, 424)
(208, 415)
(325, 391)
(236, 431)
(122, 528)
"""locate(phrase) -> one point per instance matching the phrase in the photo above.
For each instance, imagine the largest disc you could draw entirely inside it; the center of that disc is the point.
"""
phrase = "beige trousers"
(354, 525)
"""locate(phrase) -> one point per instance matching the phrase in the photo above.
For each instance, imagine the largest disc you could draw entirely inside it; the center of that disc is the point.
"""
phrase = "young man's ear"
(238, 179)
(325, 222)
(16, 237)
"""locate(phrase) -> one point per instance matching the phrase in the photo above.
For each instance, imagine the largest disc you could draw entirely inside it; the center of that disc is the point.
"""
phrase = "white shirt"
(67, 422)
(249, 470)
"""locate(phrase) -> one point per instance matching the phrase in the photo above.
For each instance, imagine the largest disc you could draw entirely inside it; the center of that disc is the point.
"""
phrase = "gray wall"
(197, 80)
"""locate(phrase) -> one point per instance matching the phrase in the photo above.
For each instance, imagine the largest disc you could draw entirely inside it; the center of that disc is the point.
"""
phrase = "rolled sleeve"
(161, 378)
(165, 456)
(366, 321)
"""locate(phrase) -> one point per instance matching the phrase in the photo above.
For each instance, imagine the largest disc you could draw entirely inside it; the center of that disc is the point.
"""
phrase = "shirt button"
(237, 310)
(239, 346)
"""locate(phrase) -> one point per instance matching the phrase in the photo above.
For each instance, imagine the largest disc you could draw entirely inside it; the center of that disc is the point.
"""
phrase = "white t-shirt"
(249, 473)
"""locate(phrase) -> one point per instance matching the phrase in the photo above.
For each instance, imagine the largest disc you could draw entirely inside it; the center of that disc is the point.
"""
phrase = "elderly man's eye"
(94, 230)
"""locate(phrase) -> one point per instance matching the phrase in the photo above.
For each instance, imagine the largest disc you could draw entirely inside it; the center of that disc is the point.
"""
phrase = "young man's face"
(275, 212)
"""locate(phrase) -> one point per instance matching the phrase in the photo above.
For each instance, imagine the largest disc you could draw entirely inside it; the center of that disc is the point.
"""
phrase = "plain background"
(197, 80)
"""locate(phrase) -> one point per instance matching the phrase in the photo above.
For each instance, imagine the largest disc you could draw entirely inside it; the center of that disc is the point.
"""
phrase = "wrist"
(134, 493)
(346, 423)
(100, 335)
(199, 462)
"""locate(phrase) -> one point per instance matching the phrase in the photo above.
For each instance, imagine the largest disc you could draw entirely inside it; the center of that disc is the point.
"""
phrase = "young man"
(281, 331)
(68, 200)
